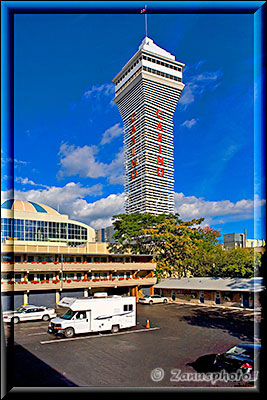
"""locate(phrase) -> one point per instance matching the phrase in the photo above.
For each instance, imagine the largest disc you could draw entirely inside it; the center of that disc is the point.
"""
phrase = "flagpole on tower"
(146, 18)
(144, 11)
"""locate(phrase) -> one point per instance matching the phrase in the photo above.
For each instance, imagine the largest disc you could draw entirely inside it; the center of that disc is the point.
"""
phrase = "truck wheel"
(115, 328)
(69, 332)
(46, 317)
(15, 320)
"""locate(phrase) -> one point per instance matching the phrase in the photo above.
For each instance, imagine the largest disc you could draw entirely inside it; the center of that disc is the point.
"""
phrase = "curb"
(215, 306)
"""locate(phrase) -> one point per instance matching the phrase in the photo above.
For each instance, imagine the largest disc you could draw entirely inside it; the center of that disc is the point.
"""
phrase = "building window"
(153, 71)
(227, 296)
(128, 307)
(17, 277)
(7, 277)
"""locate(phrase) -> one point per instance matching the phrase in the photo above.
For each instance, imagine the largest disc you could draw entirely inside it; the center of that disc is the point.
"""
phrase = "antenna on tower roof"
(144, 10)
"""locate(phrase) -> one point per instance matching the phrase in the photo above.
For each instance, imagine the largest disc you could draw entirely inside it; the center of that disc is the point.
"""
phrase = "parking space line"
(25, 327)
(99, 336)
(36, 334)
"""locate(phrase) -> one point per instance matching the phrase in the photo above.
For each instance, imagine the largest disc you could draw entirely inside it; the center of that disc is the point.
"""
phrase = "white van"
(94, 314)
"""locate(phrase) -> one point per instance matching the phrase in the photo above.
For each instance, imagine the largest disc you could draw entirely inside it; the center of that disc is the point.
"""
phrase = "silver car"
(153, 299)
(29, 313)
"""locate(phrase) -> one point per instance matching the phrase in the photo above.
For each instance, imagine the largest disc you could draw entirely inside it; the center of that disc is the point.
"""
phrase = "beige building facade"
(41, 272)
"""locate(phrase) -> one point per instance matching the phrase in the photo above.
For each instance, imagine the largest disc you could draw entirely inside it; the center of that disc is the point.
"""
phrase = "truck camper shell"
(94, 314)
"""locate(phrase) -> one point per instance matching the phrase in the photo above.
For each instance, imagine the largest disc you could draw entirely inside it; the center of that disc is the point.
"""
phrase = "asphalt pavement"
(183, 339)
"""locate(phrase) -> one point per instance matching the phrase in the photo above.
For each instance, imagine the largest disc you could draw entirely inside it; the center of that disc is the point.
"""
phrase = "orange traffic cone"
(147, 324)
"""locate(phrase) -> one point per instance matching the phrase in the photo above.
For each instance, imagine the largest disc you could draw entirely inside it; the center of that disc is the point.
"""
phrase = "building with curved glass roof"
(46, 256)
(23, 220)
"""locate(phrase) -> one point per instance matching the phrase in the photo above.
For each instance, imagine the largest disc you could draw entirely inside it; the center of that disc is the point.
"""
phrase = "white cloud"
(189, 123)
(111, 133)
(99, 214)
(71, 201)
(231, 151)
(57, 196)
(192, 207)
(198, 83)
(115, 174)
(27, 181)
(14, 161)
(207, 76)
(82, 161)
(7, 194)
(98, 98)
(96, 91)
(188, 94)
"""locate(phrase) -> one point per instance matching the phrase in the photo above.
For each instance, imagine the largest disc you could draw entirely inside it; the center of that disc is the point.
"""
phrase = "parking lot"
(182, 338)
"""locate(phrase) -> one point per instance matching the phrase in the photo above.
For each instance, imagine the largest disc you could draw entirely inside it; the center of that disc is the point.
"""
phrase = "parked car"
(29, 313)
(155, 298)
(242, 356)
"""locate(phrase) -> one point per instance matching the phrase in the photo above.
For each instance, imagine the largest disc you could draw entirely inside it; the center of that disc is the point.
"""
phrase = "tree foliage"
(173, 242)
(177, 244)
(129, 232)
(181, 248)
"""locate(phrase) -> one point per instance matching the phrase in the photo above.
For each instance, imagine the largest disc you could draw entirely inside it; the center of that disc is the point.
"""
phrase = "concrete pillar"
(57, 296)
(134, 292)
(25, 298)
(86, 292)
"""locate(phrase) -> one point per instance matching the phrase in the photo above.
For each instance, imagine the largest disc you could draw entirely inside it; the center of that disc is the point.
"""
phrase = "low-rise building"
(105, 234)
(236, 292)
(235, 240)
(45, 259)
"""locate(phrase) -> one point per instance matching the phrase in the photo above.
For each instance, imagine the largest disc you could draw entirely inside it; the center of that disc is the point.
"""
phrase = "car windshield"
(146, 297)
(68, 315)
(240, 350)
(20, 309)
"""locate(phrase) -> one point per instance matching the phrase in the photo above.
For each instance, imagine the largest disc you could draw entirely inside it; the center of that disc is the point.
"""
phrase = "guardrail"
(75, 283)
(76, 266)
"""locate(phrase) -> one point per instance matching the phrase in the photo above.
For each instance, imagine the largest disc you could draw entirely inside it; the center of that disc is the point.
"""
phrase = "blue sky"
(68, 132)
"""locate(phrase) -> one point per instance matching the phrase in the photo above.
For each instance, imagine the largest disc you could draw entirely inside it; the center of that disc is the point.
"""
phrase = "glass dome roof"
(24, 205)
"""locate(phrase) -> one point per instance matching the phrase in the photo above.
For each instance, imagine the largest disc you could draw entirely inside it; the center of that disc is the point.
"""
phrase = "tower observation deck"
(147, 90)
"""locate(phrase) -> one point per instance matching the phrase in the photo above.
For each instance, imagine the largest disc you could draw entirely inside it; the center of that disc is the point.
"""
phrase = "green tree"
(129, 232)
(240, 263)
(173, 242)
(177, 244)
(233, 263)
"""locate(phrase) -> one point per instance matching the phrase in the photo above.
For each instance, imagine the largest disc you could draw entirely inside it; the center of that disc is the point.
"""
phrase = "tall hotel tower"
(147, 90)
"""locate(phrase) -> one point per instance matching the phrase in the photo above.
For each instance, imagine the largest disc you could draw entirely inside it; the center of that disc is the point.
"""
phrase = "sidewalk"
(214, 305)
